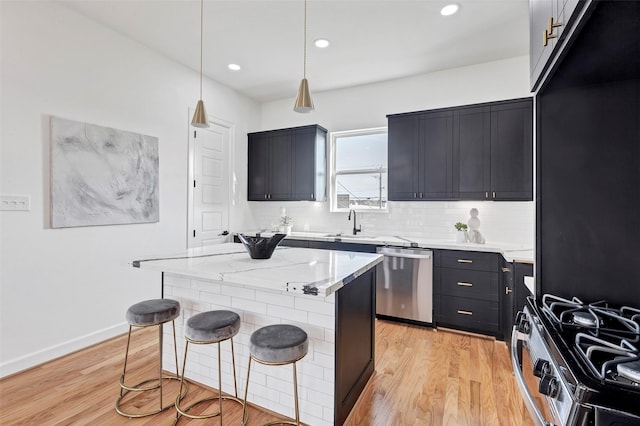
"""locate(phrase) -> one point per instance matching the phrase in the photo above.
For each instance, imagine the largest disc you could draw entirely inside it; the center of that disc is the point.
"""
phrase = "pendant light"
(304, 103)
(200, 118)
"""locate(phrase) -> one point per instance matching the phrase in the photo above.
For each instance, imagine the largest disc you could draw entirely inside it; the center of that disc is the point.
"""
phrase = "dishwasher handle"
(407, 254)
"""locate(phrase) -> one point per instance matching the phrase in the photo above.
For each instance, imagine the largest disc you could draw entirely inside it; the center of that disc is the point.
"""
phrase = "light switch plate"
(15, 202)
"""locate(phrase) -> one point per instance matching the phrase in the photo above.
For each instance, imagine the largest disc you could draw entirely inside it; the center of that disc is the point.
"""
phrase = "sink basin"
(345, 236)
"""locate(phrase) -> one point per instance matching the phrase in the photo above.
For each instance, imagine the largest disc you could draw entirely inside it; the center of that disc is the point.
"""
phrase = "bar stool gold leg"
(246, 392)
(149, 384)
(180, 411)
(126, 357)
(295, 393)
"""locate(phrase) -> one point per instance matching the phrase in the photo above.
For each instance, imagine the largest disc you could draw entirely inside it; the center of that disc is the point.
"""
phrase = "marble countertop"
(304, 271)
(512, 252)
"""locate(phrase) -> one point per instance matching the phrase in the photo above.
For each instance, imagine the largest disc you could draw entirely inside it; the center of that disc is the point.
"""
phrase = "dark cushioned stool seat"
(212, 326)
(155, 311)
(279, 343)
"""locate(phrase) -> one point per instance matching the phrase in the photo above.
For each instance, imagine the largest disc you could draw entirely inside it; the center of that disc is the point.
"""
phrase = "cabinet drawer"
(468, 313)
(477, 261)
(467, 283)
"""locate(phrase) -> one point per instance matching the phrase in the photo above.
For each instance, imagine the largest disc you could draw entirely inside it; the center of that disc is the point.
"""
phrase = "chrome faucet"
(358, 229)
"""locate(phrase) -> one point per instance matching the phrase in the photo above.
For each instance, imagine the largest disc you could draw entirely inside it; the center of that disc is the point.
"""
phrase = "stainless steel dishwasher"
(404, 287)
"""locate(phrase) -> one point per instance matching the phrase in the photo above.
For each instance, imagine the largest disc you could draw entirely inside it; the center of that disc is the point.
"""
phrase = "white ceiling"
(371, 41)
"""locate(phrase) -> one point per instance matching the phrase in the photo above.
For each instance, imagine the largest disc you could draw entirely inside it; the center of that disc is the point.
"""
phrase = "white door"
(209, 184)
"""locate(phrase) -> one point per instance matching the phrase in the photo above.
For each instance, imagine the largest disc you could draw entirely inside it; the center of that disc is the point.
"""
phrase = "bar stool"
(150, 313)
(204, 329)
(278, 344)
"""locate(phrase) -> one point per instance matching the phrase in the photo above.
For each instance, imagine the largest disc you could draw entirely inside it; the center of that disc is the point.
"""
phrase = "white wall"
(366, 107)
(62, 289)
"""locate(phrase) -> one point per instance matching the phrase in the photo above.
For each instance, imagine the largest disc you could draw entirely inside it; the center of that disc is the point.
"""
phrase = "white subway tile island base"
(329, 294)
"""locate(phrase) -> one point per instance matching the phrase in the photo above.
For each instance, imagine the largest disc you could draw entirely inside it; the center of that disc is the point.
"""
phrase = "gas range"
(578, 363)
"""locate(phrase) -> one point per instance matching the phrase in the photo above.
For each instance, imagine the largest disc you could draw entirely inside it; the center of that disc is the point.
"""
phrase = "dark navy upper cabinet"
(420, 156)
(287, 164)
(512, 151)
(472, 153)
(476, 152)
(403, 156)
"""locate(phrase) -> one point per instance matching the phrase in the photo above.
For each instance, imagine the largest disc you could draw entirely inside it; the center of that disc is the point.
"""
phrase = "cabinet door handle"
(552, 25)
(415, 195)
(465, 261)
(312, 195)
(265, 196)
(506, 270)
(463, 284)
(465, 312)
(494, 194)
(507, 290)
(486, 195)
(546, 36)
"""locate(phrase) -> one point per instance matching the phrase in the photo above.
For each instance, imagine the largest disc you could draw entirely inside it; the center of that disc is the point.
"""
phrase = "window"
(359, 170)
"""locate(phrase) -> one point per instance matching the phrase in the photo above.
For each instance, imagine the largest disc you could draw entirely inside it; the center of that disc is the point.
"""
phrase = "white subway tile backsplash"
(504, 221)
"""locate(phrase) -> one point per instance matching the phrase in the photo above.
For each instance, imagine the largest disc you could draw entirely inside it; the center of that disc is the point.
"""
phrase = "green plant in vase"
(461, 235)
(286, 222)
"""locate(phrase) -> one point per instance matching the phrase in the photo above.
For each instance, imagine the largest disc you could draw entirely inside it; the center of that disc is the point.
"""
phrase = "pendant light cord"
(201, 38)
(305, 40)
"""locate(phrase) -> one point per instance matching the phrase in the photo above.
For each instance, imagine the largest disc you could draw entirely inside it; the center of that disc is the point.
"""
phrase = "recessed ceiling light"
(449, 9)
(234, 67)
(322, 43)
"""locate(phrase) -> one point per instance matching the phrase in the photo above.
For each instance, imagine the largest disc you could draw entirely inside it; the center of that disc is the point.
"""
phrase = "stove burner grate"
(605, 358)
(598, 318)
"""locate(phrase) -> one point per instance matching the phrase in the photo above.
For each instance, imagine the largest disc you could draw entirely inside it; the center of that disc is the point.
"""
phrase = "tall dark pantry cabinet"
(588, 159)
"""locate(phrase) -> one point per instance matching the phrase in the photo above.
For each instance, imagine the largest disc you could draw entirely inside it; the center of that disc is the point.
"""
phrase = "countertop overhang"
(290, 269)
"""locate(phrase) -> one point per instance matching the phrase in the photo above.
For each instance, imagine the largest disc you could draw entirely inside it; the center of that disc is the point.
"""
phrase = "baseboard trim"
(34, 359)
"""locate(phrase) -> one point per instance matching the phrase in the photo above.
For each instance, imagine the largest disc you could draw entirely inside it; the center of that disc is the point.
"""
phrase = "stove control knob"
(522, 323)
(548, 386)
(541, 368)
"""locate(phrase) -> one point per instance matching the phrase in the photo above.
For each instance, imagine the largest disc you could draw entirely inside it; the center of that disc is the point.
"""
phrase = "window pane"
(361, 191)
(361, 152)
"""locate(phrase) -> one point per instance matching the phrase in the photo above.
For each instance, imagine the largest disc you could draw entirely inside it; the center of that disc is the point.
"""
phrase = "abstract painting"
(101, 175)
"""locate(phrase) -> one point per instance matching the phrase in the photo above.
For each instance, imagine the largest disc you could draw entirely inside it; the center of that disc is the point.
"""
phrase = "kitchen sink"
(347, 235)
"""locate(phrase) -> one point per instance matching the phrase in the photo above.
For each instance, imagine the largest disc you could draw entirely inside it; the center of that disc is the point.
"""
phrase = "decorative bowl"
(261, 247)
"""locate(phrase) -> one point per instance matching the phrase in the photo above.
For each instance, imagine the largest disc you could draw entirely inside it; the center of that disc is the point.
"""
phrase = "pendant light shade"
(200, 118)
(304, 103)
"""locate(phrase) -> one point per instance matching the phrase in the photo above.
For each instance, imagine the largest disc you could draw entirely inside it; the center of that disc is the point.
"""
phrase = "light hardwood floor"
(423, 377)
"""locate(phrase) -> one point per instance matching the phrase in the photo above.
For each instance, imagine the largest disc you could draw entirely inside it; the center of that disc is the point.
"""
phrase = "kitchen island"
(330, 294)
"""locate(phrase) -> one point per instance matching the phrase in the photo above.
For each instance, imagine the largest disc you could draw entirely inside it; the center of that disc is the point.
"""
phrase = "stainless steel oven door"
(523, 363)
(547, 396)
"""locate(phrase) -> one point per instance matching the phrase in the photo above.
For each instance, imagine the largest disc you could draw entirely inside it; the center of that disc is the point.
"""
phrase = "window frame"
(333, 193)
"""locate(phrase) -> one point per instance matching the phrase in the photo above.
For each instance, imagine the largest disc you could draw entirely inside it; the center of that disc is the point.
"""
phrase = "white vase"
(285, 229)
(461, 237)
